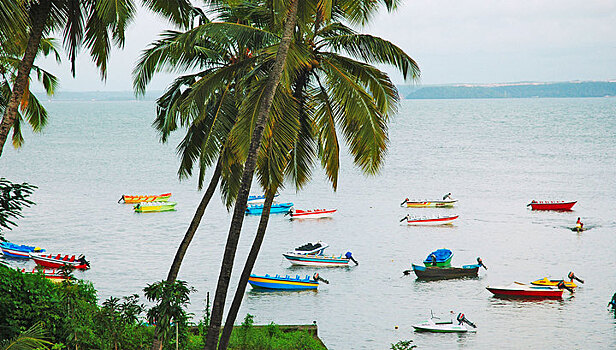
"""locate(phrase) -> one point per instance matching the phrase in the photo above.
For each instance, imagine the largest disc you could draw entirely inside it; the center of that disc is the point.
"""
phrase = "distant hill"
(99, 96)
(514, 90)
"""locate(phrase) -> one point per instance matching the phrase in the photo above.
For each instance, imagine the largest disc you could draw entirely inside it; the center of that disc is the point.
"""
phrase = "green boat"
(154, 207)
(440, 258)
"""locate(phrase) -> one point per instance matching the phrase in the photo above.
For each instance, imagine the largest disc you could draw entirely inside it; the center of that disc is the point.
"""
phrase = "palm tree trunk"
(194, 224)
(249, 168)
(250, 263)
(39, 15)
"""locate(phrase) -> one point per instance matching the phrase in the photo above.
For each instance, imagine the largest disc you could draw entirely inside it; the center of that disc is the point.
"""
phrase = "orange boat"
(127, 199)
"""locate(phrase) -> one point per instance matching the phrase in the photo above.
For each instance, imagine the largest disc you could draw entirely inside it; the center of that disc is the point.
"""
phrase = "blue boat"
(440, 257)
(258, 199)
(257, 209)
(268, 282)
(19, 251)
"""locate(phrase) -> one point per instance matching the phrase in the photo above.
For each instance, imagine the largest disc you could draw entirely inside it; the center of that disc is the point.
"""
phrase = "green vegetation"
(13, 199)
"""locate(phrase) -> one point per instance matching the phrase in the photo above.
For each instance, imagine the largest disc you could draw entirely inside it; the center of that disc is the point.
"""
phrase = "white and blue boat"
(257, 209)
(13, 250)
(258, 199)
(278, 282)
(312, 254)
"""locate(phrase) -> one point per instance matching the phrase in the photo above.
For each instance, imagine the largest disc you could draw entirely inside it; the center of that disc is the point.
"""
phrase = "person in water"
(579, 225)
(447, 196)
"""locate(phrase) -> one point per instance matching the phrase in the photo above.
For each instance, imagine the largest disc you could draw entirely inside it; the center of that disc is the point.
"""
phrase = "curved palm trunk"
(40, 14)
(250, 263)
(249, 168)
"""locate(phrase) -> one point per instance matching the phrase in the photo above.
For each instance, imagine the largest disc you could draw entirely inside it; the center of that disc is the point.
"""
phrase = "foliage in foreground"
(13, 199)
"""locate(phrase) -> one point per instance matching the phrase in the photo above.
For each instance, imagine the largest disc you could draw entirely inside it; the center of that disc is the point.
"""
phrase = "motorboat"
(311, 214)
(54, 275)
(551, 205)
(154, 207)
(59, 261)
(13, 250)
(462, 325)
(134, 199)
(431, 272)
(517, 289)
(278, 282)
(429, 220)
(257, 209)
(312, 254)
(437, 203)
(258, 199)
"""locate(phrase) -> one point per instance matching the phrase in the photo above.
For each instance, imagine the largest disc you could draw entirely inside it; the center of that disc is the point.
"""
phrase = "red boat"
(59, 261)
(517, 289)
(54, 275)
(312, 214)
(551, 205)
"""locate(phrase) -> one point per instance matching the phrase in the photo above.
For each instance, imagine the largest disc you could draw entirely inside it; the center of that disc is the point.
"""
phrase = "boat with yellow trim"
(552, 283)
(154, 207)
(278, 282)
(128, 199)
(414, 203)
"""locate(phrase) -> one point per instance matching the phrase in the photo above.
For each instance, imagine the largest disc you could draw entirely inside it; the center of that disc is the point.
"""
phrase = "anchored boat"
(257, 199)
(414, 203)
(313, 255)
(129, 199)
(429, 220)
(59, 261)
(521, 290)
(559, 283)
(430, 272)
(551, 205)
(278, 282)
(312, 214)
(53, 275)
(257, 209)
(154, 207)
(446, 327)
(13, 250)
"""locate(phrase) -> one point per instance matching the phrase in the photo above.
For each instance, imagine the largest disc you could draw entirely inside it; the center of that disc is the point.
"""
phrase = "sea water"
(495, 156)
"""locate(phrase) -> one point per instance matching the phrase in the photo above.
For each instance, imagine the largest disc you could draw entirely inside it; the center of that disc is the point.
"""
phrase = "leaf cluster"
(13, 199)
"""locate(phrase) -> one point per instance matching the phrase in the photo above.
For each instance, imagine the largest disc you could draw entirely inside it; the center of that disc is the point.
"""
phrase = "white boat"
(312, 214)
(312, 254)
(430, 325)
(429, 220)
(258, 199)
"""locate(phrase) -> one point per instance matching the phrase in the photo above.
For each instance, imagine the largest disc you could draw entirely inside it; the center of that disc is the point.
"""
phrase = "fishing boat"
(59, 261)
(257, 209)
(551, 205)
(13, 250)
(278, 282)
(429, 220)
(446, 327)
(517, 289)
(258, 199)
(313, 255)
(438, 203)
(153, 207)
(129, 199)
(440, 257)
(433, 272)
(552, 283)
(53, 275)
(311, 214)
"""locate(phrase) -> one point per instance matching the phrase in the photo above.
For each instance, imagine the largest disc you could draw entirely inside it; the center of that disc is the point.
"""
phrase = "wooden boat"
(440, 257)
(414, 203)
(551, 205)
(258, 199)
(59, 261)
(311, 214)
(313, 255)
(430, 220)
(521, 290)
(128, 199)
(13, 250)
(277, 282)
(53, 275)
(433, 272)
(154, 207)
(553, 283)
(257, 209)
(446, 327)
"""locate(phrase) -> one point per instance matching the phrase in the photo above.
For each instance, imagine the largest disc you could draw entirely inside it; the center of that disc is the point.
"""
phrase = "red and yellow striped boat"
(128, 199)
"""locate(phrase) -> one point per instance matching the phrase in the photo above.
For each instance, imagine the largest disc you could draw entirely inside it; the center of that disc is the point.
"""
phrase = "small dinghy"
(153, 207)
(521, 290)
(58, 261)
(313, 255)
(257, 209)
(258, 199)
(448, 272)
(278, 282)
(13, 250)
(462, 325)
(129, 199)
(312, 214)
(437, 203)
(555, 283)
(429, 220)
(551, 205)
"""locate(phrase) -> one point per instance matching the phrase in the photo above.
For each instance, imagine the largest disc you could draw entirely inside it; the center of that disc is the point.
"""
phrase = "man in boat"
(579, 225)
(433, 258)
(447, 196)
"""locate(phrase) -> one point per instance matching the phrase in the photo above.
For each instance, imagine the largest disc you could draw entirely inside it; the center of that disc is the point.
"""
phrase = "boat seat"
(72, 258)
(57, 257)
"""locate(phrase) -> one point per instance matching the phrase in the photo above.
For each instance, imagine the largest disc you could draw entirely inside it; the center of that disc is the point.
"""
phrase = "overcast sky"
(454, 41)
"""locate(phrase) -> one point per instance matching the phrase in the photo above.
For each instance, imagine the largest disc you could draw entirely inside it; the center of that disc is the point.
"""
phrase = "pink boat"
(551, 205)
(517, 289)
(312, 214)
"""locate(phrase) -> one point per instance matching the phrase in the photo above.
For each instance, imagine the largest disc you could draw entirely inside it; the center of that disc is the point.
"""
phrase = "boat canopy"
(311, 248)
(442, 255)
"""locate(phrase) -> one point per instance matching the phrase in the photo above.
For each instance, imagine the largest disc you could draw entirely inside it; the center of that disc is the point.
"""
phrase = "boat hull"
(432, 221)
(524, 291)
(155, 208)
(440, 328)
(273, 283)
(317, 260)
(560, 206)
(434, 273)
(52, 262)
(12, 250)
(146, 198)
(431, 204)
(312, 214)
(277, 208)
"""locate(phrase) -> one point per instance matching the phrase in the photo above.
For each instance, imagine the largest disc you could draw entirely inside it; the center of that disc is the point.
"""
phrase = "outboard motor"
(316, 277)
(561, 285)
(461, 319)
(83, 261)
(121, 200)
(349, 256)
(572, 277)
(405, 200)
(480, 263)
(612, 302)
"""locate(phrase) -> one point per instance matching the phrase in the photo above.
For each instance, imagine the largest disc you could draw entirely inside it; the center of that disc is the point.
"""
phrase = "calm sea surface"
(495, 156)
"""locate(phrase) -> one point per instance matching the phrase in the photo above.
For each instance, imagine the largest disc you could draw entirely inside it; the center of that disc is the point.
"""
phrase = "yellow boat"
(128, 199)
(154, 207)
(552, 283)
(448, 203)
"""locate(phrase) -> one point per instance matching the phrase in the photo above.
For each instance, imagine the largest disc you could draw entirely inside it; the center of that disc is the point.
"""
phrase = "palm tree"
(31, 339)
(95, 24)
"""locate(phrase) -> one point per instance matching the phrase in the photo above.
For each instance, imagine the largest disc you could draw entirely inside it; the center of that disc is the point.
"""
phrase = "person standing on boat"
(579, 225)
(447, 196)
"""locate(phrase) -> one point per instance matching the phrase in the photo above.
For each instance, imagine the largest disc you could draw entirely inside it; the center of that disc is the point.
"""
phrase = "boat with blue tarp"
(13, 250)
(278, 282)
(440, 257)
(257, 209)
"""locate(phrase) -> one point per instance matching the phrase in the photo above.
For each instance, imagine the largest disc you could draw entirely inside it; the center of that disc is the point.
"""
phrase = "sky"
(453, 41)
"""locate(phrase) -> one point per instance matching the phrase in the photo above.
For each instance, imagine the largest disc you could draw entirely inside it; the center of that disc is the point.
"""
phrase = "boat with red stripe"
(429, 220)
(522, 290)
(551, 205)
(311, 214)
(58, 261)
